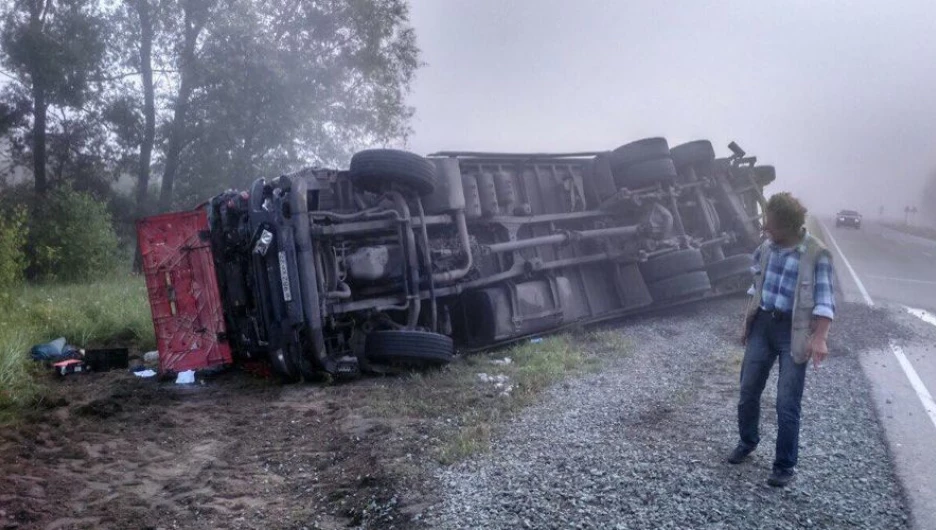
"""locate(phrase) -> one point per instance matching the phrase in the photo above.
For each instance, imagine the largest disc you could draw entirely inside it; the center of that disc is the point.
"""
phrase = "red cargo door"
(183, 292)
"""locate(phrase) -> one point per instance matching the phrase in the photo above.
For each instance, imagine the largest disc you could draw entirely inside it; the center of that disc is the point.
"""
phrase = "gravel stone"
(643, 443)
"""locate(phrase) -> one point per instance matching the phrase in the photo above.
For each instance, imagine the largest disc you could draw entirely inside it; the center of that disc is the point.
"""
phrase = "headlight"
(841, 218)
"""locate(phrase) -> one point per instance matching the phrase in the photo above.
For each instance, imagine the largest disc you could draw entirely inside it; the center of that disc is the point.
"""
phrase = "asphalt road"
(884, 267)
(894, 267)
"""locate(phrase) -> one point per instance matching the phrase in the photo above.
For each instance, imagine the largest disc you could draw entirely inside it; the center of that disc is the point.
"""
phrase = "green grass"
(469, 408)
(111, 312)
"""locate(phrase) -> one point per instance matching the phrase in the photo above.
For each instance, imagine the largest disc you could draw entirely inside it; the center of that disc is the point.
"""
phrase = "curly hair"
(786, 212)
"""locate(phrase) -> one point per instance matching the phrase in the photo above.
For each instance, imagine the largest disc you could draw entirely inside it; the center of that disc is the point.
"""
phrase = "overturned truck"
(400, 257)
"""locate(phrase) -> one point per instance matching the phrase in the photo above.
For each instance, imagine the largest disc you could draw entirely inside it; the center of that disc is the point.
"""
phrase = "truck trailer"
(400, 258)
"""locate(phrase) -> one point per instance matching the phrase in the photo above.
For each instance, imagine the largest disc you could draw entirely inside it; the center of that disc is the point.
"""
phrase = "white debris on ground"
(500, 382)
(186, 378)
(502, 362)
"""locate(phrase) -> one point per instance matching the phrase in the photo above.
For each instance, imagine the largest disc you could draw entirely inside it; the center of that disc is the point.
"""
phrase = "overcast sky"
(839, 96)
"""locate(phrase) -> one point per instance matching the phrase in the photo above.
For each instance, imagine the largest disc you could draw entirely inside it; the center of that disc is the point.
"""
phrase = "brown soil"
(110, 450)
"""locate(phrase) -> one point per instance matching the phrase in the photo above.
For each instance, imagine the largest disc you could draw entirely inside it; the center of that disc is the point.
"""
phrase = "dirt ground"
(110, 450)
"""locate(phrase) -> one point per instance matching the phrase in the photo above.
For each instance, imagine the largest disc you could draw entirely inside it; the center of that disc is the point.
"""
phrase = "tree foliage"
(185, 98)
(74, 237)
(295, 83)
(52, 49)
(12, 247)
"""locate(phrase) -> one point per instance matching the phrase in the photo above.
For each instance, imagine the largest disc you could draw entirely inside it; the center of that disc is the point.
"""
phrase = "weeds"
(103, 313)
(461, 410)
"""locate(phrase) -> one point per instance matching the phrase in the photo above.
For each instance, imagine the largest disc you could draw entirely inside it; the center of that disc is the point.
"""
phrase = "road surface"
(884, 267)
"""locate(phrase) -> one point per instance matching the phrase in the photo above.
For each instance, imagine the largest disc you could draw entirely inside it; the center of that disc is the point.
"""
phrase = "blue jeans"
(769, 339)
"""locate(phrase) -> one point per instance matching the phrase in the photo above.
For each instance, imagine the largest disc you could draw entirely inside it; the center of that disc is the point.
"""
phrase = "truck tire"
(699, 152)
(639, 151)
(764, 175)
(374, 168)
(741, 175)
(679, 287)
(415, 348)
(646, 174)
(737, 265)
(672, 264)
(284, 367)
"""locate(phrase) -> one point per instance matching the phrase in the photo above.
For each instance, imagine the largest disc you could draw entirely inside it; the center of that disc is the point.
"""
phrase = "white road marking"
(922, 393)
(893, 279)
(861, 287)
(925, 397)
(923, 315)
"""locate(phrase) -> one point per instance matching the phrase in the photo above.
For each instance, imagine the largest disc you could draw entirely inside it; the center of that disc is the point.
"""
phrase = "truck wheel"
(415, 348)
(738, 265)
(764, 175)
(672, 264)
(645, 174)
(678, 287)
(301, 361)
(639, 151)
(374, 168)
(283, 366)
(698, 153)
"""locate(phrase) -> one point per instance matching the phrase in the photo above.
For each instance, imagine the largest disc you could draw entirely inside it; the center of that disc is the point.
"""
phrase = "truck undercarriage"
(399, 258)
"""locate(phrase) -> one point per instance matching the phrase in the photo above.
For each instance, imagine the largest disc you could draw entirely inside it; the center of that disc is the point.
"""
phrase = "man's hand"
(818, 349)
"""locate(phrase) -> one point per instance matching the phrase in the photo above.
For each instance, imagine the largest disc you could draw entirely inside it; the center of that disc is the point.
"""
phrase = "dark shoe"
(781, 478)
(739, 454)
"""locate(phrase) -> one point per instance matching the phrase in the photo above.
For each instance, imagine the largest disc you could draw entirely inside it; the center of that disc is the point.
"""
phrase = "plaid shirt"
(781, 276)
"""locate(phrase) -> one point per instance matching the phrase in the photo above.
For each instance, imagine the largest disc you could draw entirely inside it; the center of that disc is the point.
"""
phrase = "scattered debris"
(502, 362)
(536, 340)
(151, 357)
(70, 366)
(185, 378)
(500, 382)
(145, 373)
(49, 351)
(102, 360)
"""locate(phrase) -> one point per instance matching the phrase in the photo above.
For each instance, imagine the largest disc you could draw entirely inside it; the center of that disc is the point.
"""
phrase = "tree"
(146, 17)
(282, 83)
(52, 48)
(206, 93)
(195, 14)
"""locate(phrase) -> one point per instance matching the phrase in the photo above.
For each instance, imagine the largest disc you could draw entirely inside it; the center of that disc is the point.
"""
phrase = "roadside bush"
(12, 247)
(109, 312)
(73, 237)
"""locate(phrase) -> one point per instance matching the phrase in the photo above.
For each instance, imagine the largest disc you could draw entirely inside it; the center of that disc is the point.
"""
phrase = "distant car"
(848, 218)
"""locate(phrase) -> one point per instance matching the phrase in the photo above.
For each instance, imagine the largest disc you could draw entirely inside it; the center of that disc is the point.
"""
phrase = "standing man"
(788, 318)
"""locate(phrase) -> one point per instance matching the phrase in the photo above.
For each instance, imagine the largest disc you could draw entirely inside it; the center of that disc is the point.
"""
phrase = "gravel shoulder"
(642, 444)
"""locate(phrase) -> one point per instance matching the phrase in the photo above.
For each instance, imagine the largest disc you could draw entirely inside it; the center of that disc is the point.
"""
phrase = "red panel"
(183, 292)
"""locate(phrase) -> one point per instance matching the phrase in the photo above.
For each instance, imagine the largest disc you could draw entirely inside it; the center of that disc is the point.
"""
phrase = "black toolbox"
(102, 360)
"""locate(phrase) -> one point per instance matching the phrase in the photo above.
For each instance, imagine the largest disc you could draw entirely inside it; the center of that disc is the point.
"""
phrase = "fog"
(839, 96)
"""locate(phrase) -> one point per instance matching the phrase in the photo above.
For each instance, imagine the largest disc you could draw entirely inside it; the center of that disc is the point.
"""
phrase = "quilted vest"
(803, 300)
